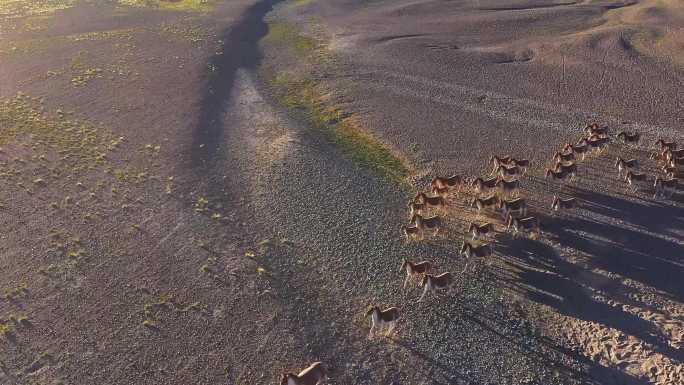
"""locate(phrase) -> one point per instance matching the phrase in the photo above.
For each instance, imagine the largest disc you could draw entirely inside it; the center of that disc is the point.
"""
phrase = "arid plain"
(211, 192)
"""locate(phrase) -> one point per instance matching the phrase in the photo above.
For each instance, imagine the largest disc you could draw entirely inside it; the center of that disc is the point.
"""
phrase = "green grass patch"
(342, 128)
(300, 3)
(306, 96)
(176, 5)
(288, 35)
(21, 8)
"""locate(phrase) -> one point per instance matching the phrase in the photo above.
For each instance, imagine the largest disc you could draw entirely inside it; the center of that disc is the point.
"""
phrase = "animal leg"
(390, 329)
(406, 280)
(424, 292)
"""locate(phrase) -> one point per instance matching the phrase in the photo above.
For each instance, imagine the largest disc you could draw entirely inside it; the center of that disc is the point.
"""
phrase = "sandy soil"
(166, 220)
(449, 84)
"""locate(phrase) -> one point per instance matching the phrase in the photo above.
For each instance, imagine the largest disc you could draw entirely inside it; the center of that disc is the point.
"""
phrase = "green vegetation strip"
(176, 5)
(305, 95)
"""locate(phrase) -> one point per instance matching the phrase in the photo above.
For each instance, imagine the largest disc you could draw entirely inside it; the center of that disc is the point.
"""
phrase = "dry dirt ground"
(183, 199)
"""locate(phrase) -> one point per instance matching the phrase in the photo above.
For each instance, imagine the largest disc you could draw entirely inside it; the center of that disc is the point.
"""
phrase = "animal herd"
(501, 192)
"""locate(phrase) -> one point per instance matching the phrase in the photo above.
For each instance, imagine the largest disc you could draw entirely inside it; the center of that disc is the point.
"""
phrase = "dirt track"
(168, 221)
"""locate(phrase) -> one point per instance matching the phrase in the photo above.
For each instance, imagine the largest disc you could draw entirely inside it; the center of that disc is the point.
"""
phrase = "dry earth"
(210, 192)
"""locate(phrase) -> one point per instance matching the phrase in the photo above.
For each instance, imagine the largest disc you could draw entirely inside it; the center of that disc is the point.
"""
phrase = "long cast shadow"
(240, 49)
(569, 290)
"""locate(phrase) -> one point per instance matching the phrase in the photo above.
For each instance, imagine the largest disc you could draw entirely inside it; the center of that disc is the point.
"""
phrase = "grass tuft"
(176, 5)
(343, 129)
(303, 94)
(288, 35)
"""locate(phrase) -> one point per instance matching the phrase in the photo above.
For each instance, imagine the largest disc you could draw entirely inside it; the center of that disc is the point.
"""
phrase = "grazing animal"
(382, 319)
(663, 144)
(624, 165)
(483, 203)
(432, 223)
(669, 171)
(416, 208)
(509, 188)
(594, 129)
(631, 138)
(559, 204)
(558, 175)
(482, 185)
(662, 155)
(664, 187)
(523, 225)
(411, 232)
(509, 171)
(668, 154)
(674, 162)
(414, 269)
(441, 182)
(580, 149)
(633, 177)
(433, 283)
(497, 161)
(519, 206)
(436, 201)
(522, 163)
(471, 251)
(569, 168)
(442, 192)
(315, 374)
(478, 231)
(507, 160)
(597, 143)
(563, 157)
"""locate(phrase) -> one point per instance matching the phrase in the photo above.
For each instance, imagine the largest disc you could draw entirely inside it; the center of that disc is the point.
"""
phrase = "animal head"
(286, 376)
(371, 309)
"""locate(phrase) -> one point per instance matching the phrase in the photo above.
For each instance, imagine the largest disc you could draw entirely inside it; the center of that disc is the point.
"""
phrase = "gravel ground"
(223, 240)
(341, 252)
